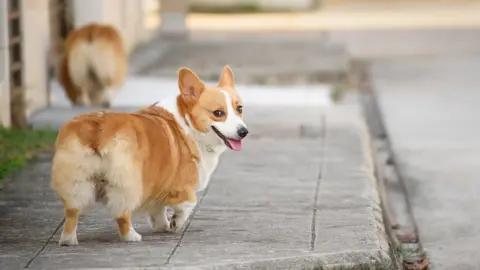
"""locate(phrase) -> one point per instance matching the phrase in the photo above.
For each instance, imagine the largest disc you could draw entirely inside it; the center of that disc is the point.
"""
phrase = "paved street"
(426, 82)
(431, 108)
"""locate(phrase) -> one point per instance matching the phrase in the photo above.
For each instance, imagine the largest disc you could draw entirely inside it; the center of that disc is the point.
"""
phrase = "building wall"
(131, 20)
(4, 79)
(125, 15)
(36, 42)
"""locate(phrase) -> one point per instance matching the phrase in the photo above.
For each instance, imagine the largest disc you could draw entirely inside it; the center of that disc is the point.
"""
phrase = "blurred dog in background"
(94, 65)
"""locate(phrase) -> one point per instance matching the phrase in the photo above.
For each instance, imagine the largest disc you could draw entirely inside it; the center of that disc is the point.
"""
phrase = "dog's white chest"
(208, 157)
(207, 165)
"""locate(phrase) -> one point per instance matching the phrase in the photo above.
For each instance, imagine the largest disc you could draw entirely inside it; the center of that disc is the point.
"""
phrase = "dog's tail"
(96, 57)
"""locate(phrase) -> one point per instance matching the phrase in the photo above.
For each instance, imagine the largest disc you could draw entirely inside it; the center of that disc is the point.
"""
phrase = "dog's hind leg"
(100, 97)
(69, 233)
(124, 188)
(120, 204)
(82, 99)
(125, 228)
(71, 179)
(81, 198)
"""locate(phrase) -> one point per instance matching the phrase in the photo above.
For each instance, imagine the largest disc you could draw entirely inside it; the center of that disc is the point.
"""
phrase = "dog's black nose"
(242, 132)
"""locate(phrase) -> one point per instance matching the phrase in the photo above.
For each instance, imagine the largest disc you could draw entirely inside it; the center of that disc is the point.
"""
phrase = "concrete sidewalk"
(430, 106)
(301, 195)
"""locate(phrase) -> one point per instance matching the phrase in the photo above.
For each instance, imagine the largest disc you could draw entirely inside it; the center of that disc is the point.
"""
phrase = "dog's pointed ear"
(191, 87)
(227, 78)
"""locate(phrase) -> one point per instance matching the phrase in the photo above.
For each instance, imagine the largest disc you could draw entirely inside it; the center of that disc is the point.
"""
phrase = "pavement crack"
(44, 246)
(187, 225)
(321, 172)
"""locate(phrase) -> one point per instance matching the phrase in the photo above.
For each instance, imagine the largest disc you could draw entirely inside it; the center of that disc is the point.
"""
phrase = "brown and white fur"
(94, 65)
(149, 160)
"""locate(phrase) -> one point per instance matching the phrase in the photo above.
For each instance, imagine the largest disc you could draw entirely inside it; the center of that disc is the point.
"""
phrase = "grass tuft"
(18, 146)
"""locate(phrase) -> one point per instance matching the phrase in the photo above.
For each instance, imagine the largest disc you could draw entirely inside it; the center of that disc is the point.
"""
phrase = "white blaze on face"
(229, 128)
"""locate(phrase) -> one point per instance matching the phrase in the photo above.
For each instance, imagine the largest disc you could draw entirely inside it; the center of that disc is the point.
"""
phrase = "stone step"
(286, 101)
(255, 60)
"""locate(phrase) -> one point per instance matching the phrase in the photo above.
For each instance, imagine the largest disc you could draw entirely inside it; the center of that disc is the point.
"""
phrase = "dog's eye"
(240, 109)
(219, 113)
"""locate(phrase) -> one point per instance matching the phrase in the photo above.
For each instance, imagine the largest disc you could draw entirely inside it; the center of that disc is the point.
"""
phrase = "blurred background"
(267, 42)
(419, 58)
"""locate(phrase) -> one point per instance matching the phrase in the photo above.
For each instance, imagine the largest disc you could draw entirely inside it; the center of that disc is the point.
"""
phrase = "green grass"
(17, 147)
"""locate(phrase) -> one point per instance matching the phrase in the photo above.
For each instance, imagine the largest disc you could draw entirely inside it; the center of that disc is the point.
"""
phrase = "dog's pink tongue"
(235, 144)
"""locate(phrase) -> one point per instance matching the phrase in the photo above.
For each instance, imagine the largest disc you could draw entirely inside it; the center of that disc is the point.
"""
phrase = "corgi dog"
(94, 65)
(148, 160)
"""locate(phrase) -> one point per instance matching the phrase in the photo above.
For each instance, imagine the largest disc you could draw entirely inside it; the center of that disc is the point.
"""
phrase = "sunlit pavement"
(410, 16)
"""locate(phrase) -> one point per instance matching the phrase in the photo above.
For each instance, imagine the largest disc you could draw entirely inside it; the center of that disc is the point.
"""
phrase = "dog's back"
(140, 153)
(95, 60)
(127, 161)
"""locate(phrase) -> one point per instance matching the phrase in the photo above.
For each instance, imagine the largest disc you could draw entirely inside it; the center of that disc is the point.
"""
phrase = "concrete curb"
(399, 220)
(347, 119)
(351, 260)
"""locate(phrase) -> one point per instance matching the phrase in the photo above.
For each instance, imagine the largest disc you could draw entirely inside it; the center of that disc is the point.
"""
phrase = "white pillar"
(35, 44)
(100, 11)
(4, 66)
(132, 22)
(88, 11)
(123, 14)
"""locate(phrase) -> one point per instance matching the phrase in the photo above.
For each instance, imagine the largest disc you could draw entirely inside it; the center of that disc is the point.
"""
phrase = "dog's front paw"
(68, 240)
(158, 226)
(131, 236)
(177, 222)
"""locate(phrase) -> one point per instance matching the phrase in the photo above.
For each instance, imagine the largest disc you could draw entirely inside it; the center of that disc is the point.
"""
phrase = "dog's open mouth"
(235, 145)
